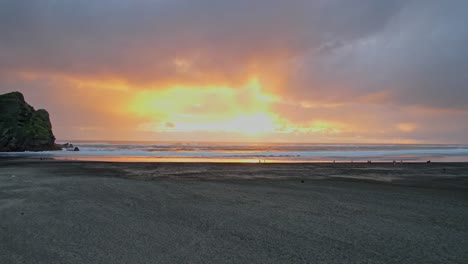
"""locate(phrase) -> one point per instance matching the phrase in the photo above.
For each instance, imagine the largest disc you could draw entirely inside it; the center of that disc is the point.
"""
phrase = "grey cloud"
(418, 58)
(139, 39)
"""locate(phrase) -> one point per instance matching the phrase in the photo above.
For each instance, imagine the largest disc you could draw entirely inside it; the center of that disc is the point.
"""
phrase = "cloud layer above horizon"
(319, 71)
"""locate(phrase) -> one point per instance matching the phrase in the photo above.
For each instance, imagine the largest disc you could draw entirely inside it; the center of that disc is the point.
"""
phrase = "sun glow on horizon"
(213, 108)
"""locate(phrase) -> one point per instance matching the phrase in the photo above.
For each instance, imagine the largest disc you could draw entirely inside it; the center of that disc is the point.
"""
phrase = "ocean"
(256, 152)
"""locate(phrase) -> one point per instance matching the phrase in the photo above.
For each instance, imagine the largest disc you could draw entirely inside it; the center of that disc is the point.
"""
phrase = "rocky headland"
(22, 128)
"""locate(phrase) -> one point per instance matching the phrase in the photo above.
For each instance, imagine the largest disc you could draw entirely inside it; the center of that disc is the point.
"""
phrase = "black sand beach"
(95, 212)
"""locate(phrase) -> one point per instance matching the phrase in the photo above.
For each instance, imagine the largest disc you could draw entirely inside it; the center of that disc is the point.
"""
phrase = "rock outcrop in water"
(70, 147)
(22, 128)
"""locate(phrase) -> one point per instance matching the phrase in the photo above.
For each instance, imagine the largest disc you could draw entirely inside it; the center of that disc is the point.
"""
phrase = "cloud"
(364, 63)
(418, 58)
(141, 41)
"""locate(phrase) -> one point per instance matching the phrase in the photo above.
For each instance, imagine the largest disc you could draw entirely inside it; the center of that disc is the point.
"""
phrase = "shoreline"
(258, 152)
(207, 160)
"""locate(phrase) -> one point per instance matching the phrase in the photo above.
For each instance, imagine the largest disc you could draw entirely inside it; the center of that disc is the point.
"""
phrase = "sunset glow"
(233, 131)
(213, 108)
(180, 73)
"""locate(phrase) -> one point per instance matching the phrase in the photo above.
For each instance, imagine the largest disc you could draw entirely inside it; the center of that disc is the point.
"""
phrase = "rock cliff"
(22, 128)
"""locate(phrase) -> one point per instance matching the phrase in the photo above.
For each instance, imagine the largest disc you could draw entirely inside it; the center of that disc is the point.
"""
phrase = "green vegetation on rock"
(22, 128)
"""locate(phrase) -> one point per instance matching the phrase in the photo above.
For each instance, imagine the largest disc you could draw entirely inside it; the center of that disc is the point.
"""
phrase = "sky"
(324, 71)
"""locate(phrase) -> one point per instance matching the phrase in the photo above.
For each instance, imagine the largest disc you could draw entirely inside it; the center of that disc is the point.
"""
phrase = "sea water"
(257, 152)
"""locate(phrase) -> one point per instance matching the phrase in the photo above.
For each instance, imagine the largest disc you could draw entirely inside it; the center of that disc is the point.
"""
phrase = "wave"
(270, 151)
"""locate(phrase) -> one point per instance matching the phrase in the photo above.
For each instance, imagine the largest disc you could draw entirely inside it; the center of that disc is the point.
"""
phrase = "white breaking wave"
(273, 151)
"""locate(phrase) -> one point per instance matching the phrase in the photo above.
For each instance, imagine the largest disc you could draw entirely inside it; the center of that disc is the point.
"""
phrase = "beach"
(109, 212)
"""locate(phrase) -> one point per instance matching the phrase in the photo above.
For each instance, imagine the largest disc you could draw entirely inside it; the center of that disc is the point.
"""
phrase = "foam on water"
(270, 152)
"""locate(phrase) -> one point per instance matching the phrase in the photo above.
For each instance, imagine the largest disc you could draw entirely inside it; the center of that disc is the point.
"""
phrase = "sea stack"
(22, 128)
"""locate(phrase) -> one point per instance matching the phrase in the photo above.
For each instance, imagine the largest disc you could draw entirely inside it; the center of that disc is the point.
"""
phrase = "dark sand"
(94, 212)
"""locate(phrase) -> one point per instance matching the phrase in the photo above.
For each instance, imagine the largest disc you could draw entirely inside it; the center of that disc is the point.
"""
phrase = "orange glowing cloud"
(407, 127)
(315, 71)
(243, 109)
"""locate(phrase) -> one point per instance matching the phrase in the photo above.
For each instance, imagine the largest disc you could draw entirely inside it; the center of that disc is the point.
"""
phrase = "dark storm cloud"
(418, 58)
(139, 40)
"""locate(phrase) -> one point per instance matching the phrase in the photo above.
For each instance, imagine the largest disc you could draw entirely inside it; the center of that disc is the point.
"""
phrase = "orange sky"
(305, 71)
(111, 109)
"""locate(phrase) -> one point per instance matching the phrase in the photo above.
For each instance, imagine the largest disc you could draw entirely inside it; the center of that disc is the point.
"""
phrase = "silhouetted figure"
(428, 161)
(369, 161)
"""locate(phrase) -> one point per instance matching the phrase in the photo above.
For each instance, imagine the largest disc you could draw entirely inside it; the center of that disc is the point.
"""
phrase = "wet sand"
(96, 212)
